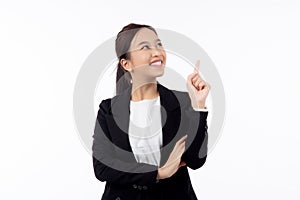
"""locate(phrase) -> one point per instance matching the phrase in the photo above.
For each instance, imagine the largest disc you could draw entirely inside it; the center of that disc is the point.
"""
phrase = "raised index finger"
(197, 66)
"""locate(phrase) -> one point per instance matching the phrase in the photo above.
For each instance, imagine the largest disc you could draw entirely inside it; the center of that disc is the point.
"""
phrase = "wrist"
(159, 174)
(199, 106)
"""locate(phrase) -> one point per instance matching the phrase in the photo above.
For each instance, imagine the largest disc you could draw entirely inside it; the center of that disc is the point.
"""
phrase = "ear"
(125, 64)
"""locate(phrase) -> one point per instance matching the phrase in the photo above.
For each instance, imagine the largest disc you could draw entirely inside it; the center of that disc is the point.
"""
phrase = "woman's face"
(147, 56)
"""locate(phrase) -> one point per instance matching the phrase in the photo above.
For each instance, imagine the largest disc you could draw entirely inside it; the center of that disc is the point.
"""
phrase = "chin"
(160, 74)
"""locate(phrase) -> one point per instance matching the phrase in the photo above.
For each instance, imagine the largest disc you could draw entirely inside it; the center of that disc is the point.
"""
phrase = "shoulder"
(175, 96)
(179, 93)
(104, 105)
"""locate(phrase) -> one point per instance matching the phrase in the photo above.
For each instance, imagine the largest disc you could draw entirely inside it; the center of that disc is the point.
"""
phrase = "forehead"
(143, 35)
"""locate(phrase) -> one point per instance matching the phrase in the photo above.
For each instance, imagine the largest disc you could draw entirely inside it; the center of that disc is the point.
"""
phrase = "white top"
(145, 131)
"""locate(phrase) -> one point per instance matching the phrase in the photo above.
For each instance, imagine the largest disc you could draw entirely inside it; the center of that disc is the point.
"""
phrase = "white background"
(254, 45)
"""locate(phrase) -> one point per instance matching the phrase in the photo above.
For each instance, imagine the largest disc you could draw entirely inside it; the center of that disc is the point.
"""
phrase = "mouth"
(156, 63)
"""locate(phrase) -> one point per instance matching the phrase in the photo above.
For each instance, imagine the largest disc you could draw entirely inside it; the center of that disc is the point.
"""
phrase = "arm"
(198, 89)
(196, 152)
(107, 167)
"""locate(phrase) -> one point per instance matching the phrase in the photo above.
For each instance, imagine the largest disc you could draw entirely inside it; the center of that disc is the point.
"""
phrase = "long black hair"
(122, 45)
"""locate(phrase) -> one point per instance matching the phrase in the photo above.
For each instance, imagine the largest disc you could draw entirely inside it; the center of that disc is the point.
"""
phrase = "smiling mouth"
(158, 63)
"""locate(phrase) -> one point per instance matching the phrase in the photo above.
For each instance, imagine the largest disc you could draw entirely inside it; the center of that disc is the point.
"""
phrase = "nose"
(156, 52)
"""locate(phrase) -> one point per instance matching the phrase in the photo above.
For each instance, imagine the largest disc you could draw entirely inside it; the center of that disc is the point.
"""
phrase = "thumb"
(182, 163)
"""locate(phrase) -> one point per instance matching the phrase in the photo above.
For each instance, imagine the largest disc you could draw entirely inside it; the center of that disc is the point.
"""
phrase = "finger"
(197, 66)
(198, 82)
(208, 86)
(181, 140)
(191, 82)
(182, 145)
(196, 77)
(177, 156)
(180, 148)
(181, 164)
(202, 85)
(191, 77)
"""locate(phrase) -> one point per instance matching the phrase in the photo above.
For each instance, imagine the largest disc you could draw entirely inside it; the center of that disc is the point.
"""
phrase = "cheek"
(138, 59)
(164, 55)
(163, 52)
(144, 58)
(141, 60)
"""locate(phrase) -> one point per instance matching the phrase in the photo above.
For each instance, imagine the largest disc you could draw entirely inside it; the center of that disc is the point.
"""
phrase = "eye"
(145, 47)
(159, 44)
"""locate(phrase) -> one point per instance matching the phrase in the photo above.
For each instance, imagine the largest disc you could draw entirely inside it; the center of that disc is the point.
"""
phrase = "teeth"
(156, 63)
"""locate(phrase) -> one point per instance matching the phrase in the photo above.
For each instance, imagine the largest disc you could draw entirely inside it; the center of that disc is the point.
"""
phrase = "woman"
(147, 135)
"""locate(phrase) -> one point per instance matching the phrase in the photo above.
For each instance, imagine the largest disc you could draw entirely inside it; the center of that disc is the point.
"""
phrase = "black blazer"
(114, 161)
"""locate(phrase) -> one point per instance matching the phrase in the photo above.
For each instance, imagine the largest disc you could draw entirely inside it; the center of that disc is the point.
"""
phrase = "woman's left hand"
(197, 88)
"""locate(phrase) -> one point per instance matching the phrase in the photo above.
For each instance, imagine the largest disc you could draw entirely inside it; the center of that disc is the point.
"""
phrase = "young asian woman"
(139, 151)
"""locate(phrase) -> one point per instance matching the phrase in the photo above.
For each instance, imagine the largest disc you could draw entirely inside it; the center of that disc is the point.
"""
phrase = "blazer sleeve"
(107, 165)
(196, 143)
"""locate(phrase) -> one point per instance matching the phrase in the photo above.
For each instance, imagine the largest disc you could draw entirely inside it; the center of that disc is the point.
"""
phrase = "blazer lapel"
(119, 120)
(170, 120)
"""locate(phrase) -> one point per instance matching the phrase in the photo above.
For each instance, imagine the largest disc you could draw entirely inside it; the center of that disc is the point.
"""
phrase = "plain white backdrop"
(254, 45)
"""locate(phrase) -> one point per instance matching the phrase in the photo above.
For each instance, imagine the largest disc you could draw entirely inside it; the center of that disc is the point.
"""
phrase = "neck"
(144, 91)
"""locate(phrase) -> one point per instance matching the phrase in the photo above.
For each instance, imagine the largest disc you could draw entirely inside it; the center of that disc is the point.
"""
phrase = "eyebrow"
(145, 42)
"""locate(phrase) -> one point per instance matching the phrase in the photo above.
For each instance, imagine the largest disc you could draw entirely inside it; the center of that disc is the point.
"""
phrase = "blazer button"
(134, 186)
(118, 198)
(145, 187)
(140, 187)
